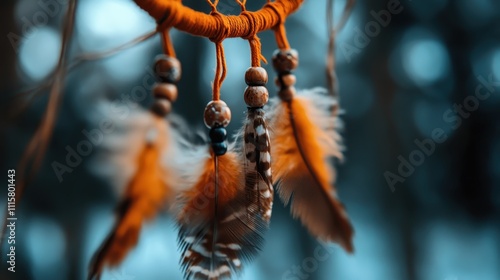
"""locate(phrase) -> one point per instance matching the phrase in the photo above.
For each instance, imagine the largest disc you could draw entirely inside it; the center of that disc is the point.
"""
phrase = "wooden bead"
(256, 96)
(256, 76)
(168, 69)
(286, 80)
(285, 61)
(217, 113)
(287, 94)
(165, 91)
(162, 107)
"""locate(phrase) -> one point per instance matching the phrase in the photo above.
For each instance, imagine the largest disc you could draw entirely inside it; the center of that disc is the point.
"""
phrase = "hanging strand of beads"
(217, 114)
(168, 72)
(304, 139)
(257, 146)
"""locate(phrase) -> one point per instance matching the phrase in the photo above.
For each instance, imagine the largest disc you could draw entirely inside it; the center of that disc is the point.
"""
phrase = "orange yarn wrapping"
(174, 14)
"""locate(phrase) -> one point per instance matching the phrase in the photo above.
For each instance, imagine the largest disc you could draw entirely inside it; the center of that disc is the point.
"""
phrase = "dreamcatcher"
(221, 193)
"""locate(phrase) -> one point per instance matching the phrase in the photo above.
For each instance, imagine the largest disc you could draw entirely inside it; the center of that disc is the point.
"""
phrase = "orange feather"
(217, 233)
(146, 194)
(304, 139)
(200, 199)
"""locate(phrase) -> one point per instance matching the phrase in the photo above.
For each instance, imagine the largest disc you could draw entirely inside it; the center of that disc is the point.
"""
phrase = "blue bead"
(218, 134)
(219, 148)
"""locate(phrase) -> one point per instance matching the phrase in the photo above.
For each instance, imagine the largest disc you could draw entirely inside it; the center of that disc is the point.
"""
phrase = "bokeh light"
(45, 236)
(103, 25)
(39, 53)
(425, 61)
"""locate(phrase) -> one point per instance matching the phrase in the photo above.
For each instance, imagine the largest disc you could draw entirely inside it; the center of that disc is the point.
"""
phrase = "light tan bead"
(287, 94)
(162, 107)
(166, 91)
(256, 76)
(285, 61)
(217, 113)
(256, 96)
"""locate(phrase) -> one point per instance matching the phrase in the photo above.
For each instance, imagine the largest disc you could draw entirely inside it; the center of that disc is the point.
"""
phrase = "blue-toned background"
(421, 179)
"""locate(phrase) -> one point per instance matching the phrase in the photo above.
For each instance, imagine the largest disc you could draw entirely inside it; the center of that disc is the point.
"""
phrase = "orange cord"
(242, 4)
(220, 70)
(168, 47)
(253, 39)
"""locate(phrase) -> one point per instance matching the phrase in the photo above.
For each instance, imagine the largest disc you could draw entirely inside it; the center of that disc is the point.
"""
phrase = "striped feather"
(216, 234)
(258, 177)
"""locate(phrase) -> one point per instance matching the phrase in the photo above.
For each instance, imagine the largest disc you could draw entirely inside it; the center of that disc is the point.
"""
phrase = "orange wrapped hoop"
(174, 14)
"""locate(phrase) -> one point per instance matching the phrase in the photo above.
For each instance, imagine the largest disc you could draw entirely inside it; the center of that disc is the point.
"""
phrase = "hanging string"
(242, 4)
(281, 39)
(331, 75)
(32, 158)
(22, 100)
(213, 5)
(253, 39)
(333, 30)
(167, 23)
(345, 15)
(168, 47)
(220, 71)
(217, 38)
(279, 29)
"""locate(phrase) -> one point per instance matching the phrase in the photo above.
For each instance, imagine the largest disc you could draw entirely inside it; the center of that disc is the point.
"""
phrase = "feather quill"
(146, 194)
(303, 141)
(258, 177)
(216, 233)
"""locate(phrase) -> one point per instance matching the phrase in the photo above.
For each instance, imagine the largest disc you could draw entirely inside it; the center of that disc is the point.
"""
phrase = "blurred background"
(410, 72)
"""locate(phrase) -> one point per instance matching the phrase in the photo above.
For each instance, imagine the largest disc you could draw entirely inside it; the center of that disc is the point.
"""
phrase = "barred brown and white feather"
(258, 176)
(216, 236)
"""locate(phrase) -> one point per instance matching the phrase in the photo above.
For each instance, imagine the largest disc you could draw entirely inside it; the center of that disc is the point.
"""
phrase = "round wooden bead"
(165, 91)
(256, 96)
(287, 94)
(168, 69)
(286, 80)
(217, 113)
(285, 61)
(256, 76)
(162, 107)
